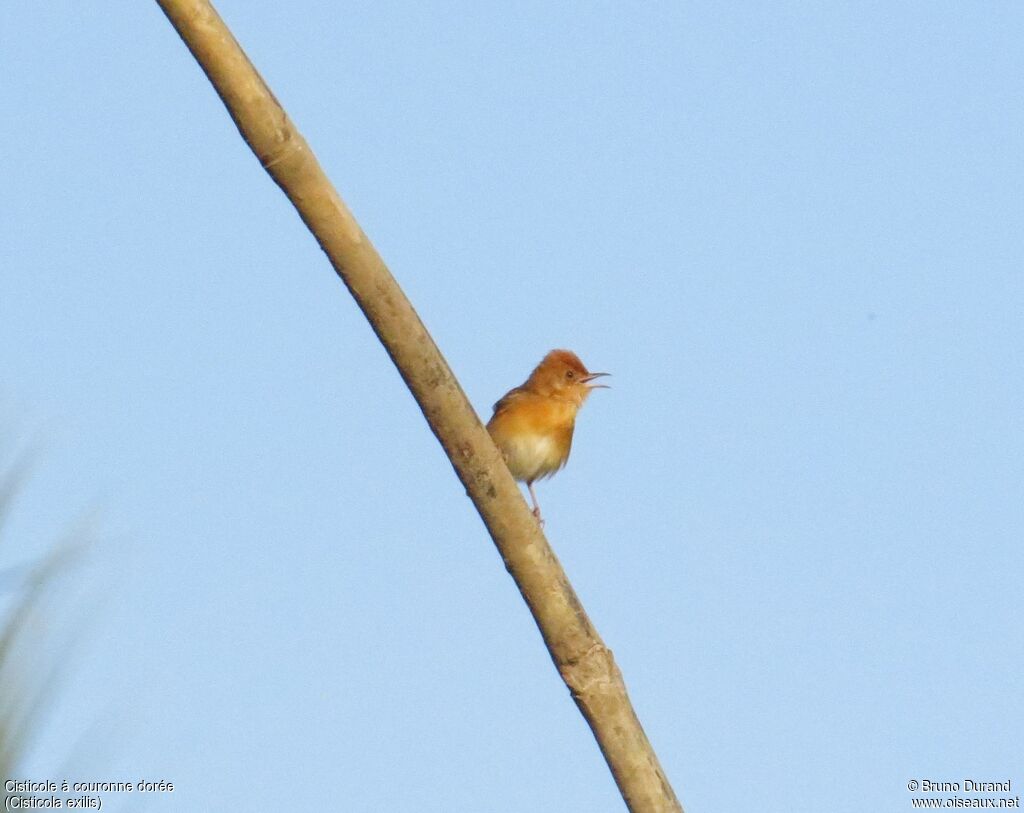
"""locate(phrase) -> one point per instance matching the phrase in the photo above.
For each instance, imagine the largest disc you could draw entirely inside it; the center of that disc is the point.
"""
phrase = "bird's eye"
(570, 374)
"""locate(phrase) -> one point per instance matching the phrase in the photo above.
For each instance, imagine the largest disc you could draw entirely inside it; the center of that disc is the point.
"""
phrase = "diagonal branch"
(584, 662)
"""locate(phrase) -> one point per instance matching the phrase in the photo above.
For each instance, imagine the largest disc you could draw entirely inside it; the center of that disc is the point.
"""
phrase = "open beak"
(588, 379)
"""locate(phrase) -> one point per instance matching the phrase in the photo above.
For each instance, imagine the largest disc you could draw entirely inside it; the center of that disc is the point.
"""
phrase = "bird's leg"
(536, 505)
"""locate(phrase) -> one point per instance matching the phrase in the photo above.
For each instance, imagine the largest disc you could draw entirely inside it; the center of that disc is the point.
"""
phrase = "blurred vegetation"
(29, 668)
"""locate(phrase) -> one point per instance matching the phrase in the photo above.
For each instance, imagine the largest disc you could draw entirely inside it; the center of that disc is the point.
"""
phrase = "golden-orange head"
(561, 374)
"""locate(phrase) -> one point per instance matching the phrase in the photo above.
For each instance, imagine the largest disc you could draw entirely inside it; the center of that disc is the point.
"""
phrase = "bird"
(533, 423)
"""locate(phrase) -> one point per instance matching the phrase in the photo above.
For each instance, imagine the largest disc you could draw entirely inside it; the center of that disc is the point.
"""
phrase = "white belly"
(531, 457)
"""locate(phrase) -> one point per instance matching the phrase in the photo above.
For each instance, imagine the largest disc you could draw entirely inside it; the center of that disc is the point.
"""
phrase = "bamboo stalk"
(584, 662)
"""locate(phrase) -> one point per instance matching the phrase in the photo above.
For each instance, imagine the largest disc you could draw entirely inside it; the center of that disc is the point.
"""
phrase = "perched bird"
(532, 424)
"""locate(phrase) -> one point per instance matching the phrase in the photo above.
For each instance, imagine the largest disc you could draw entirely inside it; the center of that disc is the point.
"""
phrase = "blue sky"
(793, 233)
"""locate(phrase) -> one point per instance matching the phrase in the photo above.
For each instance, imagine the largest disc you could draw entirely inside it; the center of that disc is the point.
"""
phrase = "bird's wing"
(509, 398)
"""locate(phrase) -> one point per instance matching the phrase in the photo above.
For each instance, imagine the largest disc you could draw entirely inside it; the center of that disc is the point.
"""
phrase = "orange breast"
(534, 433)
